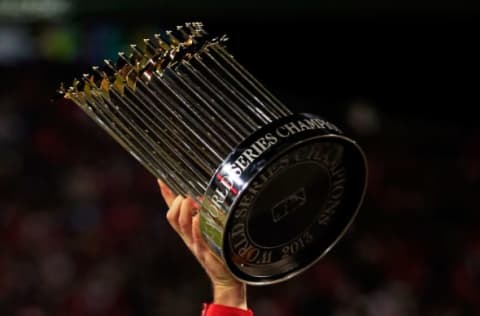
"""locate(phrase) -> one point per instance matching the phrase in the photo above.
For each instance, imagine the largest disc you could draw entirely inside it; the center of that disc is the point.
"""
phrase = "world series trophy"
(277, 189)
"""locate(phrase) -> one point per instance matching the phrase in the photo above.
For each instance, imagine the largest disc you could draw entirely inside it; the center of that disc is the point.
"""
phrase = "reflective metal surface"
(277, 189)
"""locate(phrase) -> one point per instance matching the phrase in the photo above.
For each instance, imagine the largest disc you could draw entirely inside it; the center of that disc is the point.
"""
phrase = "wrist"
(233, 295)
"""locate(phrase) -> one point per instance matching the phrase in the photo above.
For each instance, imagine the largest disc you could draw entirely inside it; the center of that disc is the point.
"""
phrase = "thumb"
(167, 194)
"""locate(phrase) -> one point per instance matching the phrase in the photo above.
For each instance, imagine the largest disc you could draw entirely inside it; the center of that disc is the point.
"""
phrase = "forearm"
(230, 295)
(228, 300)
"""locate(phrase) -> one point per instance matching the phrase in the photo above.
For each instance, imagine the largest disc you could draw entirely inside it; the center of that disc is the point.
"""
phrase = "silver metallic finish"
(179, 103)
(196, 119)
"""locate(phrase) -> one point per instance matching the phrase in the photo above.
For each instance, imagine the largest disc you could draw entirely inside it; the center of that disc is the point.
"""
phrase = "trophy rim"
(345, 229)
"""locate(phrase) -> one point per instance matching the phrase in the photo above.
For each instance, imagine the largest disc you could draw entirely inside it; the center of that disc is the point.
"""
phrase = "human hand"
(183, 216)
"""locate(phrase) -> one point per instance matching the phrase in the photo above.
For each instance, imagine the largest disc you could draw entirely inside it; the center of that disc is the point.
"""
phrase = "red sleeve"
(222, 310)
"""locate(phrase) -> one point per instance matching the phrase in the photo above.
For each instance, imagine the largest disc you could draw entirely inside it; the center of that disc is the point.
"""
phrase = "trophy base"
(283, 199)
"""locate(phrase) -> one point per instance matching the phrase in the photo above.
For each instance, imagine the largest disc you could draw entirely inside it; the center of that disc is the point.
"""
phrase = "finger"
(202, 251)
(197, 201)
(174, 213)
(187, 210)
(167, 194)
(197, 238)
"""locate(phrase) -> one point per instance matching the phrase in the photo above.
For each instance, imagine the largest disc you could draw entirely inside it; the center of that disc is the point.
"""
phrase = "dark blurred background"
(82, 225)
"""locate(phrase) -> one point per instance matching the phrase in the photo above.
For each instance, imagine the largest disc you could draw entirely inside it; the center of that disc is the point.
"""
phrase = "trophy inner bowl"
(288, 204)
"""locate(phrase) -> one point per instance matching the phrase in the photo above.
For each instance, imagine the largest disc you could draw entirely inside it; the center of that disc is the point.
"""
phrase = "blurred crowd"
(83, 229)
